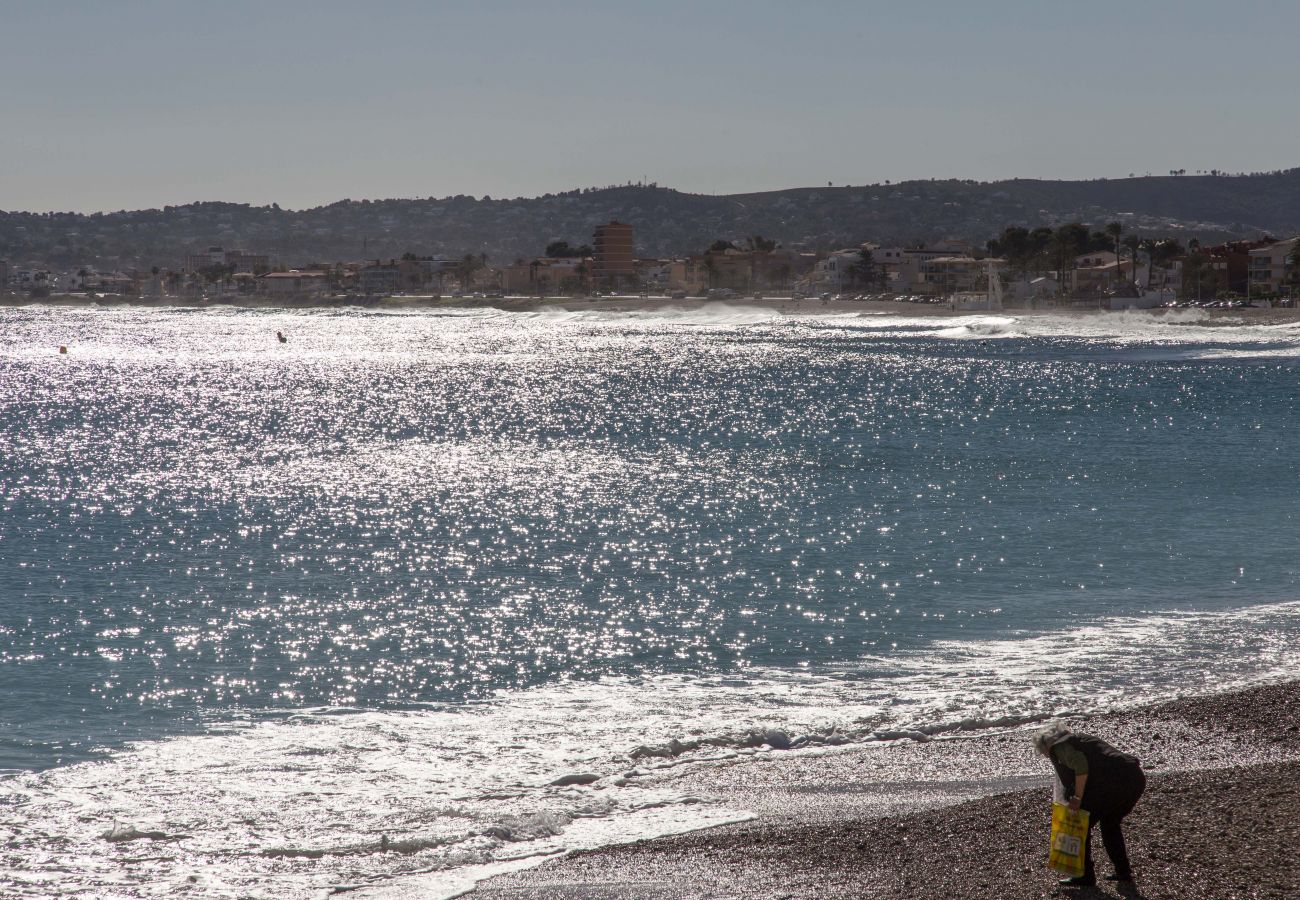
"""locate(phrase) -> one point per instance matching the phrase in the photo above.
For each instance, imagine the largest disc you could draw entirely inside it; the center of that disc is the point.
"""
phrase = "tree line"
(1056, 250)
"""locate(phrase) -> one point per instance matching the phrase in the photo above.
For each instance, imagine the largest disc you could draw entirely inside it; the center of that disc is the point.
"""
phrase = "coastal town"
(1067, 266)
(649, 450)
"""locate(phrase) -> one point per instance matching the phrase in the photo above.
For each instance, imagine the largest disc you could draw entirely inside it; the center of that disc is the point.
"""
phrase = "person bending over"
(1104, 781)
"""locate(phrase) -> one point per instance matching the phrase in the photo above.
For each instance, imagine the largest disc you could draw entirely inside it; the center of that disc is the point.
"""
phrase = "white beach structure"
(982, 301)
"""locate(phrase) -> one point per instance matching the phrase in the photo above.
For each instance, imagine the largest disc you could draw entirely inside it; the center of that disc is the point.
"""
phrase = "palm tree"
(468, 267)
(1063, 251)
(1199, 269)
(1160, 253)
(1115, 229)
(1133, 244)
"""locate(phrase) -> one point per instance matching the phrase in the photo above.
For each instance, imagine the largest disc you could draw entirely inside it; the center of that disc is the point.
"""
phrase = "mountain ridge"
(667, 222)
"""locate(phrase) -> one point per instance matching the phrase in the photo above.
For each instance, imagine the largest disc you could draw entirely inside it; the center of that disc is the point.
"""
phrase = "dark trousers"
(1107, 816)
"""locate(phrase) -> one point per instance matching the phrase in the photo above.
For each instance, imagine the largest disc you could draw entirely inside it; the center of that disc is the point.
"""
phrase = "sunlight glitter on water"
(327, 797)
(328, 611)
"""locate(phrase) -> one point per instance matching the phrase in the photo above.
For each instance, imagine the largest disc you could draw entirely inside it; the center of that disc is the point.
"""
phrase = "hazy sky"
(109, 105)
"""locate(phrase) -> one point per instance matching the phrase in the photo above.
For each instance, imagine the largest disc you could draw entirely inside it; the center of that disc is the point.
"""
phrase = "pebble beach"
(1218, 819)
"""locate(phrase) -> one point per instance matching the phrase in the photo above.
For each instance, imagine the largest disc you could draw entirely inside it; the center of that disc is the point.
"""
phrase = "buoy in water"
(63, 349)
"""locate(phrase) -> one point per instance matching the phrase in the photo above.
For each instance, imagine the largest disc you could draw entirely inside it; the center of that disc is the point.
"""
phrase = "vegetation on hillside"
(667, 222)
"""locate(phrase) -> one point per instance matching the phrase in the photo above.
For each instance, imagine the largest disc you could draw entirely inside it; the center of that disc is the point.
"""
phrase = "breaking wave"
(540, 772)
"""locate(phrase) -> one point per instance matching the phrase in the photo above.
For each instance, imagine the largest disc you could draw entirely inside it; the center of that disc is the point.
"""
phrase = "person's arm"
(1076, 762)
(1080, 782)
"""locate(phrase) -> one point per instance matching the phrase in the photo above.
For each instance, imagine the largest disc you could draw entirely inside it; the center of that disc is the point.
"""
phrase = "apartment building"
(662, 274)
(406, 274)
(614, 260)
(546, 275)
(944, 275)
(1271, 268)
(904, 266)
(235, 260)
(1102, 272)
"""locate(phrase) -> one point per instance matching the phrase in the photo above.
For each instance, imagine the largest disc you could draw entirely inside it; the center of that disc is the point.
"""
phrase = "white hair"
(1048, 737)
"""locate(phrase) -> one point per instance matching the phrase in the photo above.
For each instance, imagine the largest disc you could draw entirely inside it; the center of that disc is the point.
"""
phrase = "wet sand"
(1220, 819)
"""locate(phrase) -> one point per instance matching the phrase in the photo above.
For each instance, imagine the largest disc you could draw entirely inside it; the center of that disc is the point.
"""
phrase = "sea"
(418, 590)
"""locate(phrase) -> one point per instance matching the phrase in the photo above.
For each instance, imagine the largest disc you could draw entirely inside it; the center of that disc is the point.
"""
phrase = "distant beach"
(637, 304)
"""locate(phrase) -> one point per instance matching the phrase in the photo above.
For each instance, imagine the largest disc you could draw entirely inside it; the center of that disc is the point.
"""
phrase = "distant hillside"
(666, 221)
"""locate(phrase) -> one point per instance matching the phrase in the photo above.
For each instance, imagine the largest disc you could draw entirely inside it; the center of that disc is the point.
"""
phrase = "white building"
(293, 283)
(836, 272)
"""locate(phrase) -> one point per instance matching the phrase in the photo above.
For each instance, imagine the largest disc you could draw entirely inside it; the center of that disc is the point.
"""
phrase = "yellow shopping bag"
(1069, 834)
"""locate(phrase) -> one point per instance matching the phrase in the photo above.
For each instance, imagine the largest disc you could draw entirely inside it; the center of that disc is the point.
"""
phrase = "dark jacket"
(1115, 778)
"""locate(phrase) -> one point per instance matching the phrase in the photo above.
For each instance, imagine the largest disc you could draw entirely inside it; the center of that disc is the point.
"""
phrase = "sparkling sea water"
(277, 618)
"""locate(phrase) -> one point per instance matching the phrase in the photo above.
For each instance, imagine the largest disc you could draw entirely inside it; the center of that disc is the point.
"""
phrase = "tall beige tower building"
(615, 260)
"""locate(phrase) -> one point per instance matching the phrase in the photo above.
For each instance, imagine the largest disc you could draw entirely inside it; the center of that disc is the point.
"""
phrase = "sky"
(142, 103)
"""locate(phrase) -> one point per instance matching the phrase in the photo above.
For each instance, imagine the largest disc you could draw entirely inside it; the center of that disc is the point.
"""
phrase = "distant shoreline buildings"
(1058, 266)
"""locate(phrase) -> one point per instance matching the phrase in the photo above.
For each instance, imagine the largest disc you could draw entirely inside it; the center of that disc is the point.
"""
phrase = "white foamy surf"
(277, 805)
(1195, 331)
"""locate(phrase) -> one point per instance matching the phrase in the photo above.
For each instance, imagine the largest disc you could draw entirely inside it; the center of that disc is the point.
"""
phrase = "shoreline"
(637, 304)
(1217, 819)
